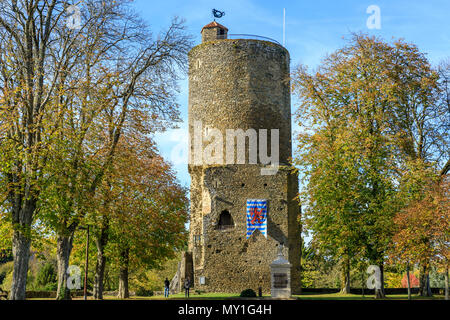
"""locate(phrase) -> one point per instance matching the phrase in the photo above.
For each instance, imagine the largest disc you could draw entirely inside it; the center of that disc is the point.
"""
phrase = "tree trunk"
(422, 281)
(363, 283)
(123, 274)
(428, 286)
(379, 293)
(424, 289)
(64, 248)
(446, 283)
(21, 252)
(22, 219)
(100, 242)
(345, 277)
(409, 282)
(99, 272)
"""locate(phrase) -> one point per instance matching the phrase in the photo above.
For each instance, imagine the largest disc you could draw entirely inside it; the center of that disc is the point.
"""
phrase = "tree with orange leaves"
(146, 211)
(423, 233)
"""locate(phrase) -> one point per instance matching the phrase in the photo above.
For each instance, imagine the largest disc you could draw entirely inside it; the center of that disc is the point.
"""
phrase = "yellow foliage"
(393, 279)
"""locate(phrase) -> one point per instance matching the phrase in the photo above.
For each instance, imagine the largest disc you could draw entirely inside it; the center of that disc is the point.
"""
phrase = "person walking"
(187, 285)
(166, 288)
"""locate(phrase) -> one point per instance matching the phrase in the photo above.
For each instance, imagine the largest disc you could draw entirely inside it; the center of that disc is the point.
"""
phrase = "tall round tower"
(239, 124)
(240, 84)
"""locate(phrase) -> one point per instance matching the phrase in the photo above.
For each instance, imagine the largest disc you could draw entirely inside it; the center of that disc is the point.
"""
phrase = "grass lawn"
(235, 296)
(193, 296)
(329, 296)
(340, 296)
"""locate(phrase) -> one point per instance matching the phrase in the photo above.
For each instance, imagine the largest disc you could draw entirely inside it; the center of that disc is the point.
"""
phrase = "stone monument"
(280, 272)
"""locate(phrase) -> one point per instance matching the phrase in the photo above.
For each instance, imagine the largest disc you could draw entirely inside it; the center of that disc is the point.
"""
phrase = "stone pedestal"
(280, 274)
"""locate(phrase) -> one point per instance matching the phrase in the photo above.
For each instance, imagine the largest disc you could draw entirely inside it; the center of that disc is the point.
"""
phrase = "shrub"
(5, 270)
(46, 274)
(5, 256)
(52, 286)
(248, 293)
(46, 277)
(6, 284)
(142, 292)
(2, 277)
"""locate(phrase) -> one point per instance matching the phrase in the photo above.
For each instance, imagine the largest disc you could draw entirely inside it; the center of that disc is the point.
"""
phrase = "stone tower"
(239, 84)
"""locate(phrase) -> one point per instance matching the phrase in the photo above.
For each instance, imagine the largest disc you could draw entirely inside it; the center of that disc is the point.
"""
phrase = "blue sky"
(313, 29)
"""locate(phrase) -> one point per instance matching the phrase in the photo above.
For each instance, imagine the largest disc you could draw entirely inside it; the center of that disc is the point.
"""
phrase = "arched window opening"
(225, 221)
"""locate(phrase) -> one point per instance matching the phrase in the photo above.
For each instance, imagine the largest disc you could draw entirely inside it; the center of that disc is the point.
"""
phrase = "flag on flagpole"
(256, 216)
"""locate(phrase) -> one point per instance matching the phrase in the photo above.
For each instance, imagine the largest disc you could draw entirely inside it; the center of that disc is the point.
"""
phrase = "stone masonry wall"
(241, 84)
(227, 260)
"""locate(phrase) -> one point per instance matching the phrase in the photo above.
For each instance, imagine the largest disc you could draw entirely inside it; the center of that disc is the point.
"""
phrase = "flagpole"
(284, 27)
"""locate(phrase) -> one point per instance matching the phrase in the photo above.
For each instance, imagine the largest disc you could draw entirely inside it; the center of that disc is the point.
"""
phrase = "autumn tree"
(60, 86)
(139, 129)
(333, 217)
(369, 110)
(422, 233)
(29, 77)
(147, 211)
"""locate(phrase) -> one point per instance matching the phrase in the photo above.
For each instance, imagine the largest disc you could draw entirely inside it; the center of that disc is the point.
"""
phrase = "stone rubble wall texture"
(241, 84)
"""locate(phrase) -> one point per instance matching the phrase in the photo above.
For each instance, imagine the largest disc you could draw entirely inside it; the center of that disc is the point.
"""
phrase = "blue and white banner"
(256, 216)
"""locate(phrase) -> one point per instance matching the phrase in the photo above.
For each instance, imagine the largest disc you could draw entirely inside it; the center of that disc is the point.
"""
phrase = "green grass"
(340, 296)
(192, 296)
(329, 296)
(233, 296)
